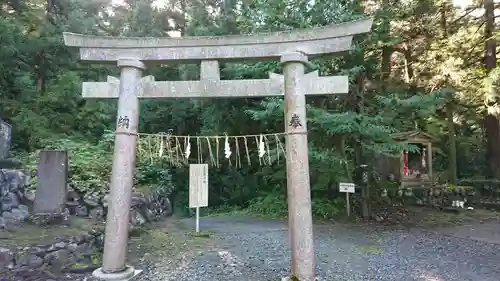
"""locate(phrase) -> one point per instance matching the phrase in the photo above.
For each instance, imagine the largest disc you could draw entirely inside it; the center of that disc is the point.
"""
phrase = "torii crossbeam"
(213, 87)
(292, 48)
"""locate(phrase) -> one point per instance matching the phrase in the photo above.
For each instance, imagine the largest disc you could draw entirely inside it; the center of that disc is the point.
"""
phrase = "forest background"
(427, 65)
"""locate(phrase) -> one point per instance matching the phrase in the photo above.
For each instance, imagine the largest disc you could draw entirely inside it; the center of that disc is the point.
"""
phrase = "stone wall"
(15, 198)
(145, 208)
(58, 256)
(12, 197)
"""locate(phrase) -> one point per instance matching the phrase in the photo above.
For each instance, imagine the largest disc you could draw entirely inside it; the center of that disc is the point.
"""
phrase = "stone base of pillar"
(127, 275)
(288, 278)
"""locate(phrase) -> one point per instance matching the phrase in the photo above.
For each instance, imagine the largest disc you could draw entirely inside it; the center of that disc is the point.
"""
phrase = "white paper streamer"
(227, 148)
(262, 149)
(160, 152)
(187, 152)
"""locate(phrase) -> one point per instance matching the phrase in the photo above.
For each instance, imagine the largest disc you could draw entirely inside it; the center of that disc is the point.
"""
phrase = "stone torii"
(293, 49)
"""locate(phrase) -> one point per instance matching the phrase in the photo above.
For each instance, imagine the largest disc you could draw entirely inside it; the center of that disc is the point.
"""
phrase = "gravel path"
(249, 249)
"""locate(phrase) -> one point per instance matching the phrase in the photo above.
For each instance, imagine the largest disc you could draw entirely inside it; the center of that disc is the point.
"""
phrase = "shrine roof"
(413, 136)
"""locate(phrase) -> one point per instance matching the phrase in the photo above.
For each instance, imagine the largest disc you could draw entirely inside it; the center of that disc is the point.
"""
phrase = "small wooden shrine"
(415, 168)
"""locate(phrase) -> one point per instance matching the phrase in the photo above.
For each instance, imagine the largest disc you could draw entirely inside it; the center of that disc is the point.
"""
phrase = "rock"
(45, 219)
(14, 199)
(81, 250)
(24, 209)
(138, 201)
(81, 211)
(34, 261)
(8, 217)
(65, 214)
(72, 205)
(149, 215)
(136, 217)
(20, 195)
(21, 259)
(4, 188)
(29, 196)
(91, 199)
(19, 215)
(86, 237)
(58, 259)
(13, 178)
(3, 224)
(37, 251)
(6, 202)
(58, 245)
(97, 213)
(72, 247)
(6, 258)
(72, 195)
(105, 200)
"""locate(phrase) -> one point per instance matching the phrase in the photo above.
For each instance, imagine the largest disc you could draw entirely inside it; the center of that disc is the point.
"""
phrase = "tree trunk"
(385, 66)
(452, 157)
(449, 108)
(491, 120)
(360, 157)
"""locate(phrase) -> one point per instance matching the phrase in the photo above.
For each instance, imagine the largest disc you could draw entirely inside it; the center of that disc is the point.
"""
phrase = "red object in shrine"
(405, 163)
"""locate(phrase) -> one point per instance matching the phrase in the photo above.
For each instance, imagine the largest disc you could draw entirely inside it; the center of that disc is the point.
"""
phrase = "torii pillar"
(292, 48)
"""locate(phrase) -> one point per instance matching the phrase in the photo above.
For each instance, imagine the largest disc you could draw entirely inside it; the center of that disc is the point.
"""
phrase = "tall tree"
(492, 124)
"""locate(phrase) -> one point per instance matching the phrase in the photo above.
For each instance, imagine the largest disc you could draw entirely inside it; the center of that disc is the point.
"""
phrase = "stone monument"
(293, 49)
(51, 189)
(5, 136)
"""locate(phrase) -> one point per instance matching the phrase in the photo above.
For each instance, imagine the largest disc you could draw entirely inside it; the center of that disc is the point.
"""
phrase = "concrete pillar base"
(288, 278)
(126, 275)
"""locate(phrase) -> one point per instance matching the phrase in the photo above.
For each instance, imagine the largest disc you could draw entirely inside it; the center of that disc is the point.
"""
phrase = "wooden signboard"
(347, 188)
(198, 185)
(198, 189)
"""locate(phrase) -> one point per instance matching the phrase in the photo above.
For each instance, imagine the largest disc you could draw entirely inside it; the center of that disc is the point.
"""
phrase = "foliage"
(88, 170)
(420, 58)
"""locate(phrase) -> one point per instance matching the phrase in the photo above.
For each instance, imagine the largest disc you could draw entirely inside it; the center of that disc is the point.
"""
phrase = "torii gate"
(292, 48)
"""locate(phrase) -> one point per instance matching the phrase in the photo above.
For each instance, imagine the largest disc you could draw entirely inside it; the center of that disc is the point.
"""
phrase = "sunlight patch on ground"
(370, 250)
(229, 258)
(429, 277)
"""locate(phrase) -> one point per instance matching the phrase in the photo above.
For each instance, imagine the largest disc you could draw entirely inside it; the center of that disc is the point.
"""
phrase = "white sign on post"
(198, 189)
(347, 188)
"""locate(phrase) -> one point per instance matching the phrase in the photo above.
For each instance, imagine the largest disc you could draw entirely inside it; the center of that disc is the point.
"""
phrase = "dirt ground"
(171, 249)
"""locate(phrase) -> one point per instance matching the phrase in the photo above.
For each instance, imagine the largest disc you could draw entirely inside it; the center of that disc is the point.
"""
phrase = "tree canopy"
(427, 65)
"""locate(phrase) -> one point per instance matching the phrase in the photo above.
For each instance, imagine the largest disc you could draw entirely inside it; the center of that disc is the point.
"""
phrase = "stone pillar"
(299, 192)
(5, 137)
(115, 244)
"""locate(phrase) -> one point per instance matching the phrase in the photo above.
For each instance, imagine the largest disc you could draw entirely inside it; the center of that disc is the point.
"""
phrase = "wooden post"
(401, 168)
(429, 161)
(348, 204)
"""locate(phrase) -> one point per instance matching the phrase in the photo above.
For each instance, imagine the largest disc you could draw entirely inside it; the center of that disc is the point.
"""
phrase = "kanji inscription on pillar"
(123, 122)
(295, 122)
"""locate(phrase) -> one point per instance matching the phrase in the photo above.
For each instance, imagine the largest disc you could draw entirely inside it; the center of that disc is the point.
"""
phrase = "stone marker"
(294, 49)
(5, 136)
(51, 192)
